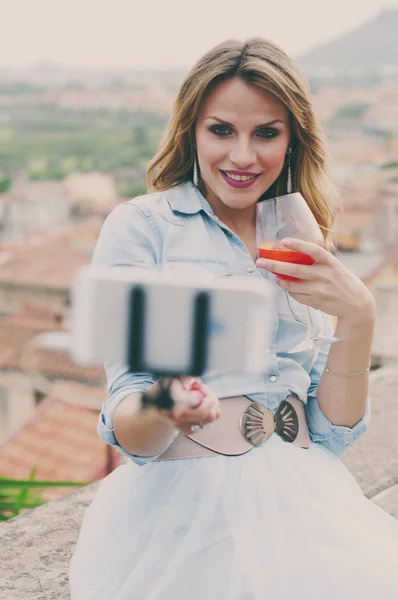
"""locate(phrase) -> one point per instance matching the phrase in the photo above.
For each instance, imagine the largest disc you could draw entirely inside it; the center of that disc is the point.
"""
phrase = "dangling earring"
(195, 178)
(289, 172)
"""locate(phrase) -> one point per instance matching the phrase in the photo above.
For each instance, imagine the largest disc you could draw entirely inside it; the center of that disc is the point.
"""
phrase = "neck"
(239, 220)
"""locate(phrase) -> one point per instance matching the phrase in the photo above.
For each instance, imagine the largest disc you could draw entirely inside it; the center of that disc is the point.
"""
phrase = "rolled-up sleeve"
(127, 238)
(336, 438)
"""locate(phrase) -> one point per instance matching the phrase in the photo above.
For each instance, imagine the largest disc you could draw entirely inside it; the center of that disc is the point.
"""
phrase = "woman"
(284, 519)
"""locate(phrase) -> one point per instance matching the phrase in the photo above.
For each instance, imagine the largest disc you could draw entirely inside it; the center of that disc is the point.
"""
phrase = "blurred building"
(53, 432)
(39, 270)
(90, 194)
(352, 230)
(33, 205)
(45, 206)
(20, 361)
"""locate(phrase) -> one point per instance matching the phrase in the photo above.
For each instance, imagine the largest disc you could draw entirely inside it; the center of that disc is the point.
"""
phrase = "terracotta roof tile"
(17, 330)
(62, 442)
(49, 258)
(79, 393)
(88, 227)
(36, 237)
(60, 364)
(52, 266)
(36, 317)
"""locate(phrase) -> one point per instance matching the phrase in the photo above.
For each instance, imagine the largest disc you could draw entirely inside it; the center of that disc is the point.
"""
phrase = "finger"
(189, 382)
(204, 391)
(183, 397)
(285, 268)
(194, 384)
(315, 251)
(208, 411)
(185, 422)
(295, 287)
(201, 387)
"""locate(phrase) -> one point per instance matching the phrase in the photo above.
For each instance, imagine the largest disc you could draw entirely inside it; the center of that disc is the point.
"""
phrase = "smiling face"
(242, 137)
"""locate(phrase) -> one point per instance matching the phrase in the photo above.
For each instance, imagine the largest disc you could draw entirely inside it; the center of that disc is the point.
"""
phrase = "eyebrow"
(257, 126)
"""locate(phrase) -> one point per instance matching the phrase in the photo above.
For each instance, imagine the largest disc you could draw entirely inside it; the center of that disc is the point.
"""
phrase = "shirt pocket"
(299, 313)
(211, 266)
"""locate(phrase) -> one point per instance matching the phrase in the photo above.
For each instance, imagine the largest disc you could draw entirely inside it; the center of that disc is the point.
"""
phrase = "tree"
(134, 189)
(5, 184)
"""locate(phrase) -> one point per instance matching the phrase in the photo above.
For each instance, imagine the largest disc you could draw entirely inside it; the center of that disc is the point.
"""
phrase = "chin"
(242, 204)
(242, 199)
(239, 204)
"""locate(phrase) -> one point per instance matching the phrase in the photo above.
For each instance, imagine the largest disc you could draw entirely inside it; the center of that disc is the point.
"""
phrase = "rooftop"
(61, 441)
(50, 265)
(19, 329)
(49, 258)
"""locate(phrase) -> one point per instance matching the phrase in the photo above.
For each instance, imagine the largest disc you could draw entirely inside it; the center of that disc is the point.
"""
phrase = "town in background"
(75, 143)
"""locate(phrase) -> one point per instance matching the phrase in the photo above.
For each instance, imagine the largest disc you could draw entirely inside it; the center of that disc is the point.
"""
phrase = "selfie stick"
(136, 356)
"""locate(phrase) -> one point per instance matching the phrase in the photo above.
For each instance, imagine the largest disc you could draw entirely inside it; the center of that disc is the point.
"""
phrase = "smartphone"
(170, 323)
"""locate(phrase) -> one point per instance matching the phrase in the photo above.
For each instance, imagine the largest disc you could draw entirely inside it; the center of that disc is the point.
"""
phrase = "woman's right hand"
(196, 404)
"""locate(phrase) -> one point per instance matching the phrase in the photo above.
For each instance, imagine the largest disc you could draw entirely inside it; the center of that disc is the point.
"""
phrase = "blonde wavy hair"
(264, 65)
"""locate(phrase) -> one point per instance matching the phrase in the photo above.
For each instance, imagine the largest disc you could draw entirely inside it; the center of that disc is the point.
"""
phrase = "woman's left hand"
(326, 285)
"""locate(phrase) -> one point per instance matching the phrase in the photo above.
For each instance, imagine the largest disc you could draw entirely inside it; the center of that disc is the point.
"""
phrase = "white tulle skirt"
(278, 523)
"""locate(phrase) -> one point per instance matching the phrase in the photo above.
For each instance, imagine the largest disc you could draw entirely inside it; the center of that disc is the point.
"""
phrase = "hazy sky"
(141, 33)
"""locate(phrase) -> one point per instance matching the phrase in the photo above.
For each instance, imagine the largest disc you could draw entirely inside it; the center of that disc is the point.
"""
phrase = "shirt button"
(273, 378)
(250, 270)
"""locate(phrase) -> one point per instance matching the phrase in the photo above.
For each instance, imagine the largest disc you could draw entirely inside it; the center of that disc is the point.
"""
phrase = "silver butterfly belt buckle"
(257, 424)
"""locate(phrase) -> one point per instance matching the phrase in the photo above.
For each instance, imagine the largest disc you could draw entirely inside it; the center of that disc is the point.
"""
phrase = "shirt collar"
(187, 199)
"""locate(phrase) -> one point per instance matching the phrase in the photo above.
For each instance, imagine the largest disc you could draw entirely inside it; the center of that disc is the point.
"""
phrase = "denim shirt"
(177, 229)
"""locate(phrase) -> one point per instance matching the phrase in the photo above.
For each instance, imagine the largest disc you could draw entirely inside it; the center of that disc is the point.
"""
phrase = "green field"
(47, 142)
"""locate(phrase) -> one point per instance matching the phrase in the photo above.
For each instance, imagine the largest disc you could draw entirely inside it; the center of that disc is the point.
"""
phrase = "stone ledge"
(388, 500)
(373, 459)
(35, 548)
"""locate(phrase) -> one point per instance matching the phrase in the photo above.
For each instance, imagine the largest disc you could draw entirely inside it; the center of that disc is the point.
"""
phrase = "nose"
(243, 154)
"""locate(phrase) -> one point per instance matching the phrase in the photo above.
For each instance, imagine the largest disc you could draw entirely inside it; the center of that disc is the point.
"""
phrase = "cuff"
(336, 438)
(107, 434)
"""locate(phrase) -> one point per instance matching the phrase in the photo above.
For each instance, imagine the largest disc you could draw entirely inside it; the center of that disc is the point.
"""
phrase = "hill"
(370, 48)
